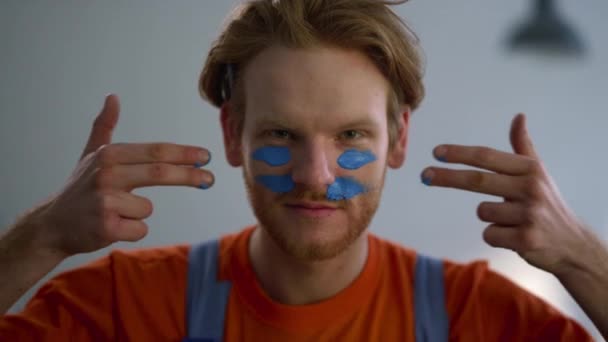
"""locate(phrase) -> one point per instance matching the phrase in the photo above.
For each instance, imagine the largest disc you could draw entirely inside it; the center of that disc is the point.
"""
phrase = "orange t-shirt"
(141, 296)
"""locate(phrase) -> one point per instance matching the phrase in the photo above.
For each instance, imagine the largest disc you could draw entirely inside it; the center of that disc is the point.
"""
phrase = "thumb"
(520, 139)
(104, 125)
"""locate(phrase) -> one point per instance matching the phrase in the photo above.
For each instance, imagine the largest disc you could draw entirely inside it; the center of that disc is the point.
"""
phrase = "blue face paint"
(280, 184)
(353, 159)
(273, 155)
(344, 188)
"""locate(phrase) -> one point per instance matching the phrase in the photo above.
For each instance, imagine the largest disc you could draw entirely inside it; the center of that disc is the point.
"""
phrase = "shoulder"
(135, 262)
(392, 250)
(123, 275)
(395, 262)
(474, 287)
(148, 260)
(233, 250)
(469, 278)
(94, 300)
(483, 303)
(125, 272)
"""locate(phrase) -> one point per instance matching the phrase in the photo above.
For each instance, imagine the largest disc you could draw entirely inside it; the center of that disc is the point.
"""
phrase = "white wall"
(58, 59)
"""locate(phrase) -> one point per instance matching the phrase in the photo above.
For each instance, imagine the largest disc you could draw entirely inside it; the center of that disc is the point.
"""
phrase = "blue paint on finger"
(199, 164)
(427, 176)
(344, 188)
(354, 159)
(208, 158)
(280, 184)
(273, 155)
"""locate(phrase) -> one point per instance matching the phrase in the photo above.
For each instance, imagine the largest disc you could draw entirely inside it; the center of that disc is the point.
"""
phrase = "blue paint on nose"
(353, 159)
(280, 184)
(344, 188)
(273, 155)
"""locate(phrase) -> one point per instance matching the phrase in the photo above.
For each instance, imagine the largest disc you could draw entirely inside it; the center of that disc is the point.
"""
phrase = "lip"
(312, 209)
(311, 205)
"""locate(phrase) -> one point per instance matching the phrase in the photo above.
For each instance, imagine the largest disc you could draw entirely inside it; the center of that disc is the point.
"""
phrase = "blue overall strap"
(430, 313)
(207, 297)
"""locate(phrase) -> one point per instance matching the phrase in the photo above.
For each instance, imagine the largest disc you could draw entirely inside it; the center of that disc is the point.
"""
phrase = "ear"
(232, 136)
(397, 152)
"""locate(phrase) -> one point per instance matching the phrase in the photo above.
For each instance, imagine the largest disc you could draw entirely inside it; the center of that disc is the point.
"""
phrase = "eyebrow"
(285, 123)
(272, 121)
(364, 121)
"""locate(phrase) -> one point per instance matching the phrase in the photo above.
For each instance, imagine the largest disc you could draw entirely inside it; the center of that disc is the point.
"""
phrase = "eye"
(279, 134)
(350, 134)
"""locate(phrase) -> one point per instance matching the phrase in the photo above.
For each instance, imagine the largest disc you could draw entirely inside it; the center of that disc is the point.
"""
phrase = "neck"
(296, 282)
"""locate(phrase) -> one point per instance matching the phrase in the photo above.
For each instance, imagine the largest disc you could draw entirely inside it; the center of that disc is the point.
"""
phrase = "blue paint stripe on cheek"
(273, 155)
(280, 184)
(353, 159)
(344, 188)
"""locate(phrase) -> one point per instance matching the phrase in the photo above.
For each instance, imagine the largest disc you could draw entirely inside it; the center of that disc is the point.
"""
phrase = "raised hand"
(533, 219)
(96, 206)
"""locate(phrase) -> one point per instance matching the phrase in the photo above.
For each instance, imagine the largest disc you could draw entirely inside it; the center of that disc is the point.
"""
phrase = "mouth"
(312, 209)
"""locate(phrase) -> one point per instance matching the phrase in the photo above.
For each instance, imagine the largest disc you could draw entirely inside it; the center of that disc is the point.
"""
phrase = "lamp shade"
(546, 31)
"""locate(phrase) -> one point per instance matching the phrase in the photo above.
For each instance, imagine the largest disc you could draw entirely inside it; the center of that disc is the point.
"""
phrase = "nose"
(313, 166)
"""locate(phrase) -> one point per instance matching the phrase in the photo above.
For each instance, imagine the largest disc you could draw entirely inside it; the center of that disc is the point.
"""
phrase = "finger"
(502, 237)
(503, 213)
(128, 205)
(485, 158)
(103, 126)
(509, 187)
(129, 177)
(122, 153)
(520, 138)
(128, 230)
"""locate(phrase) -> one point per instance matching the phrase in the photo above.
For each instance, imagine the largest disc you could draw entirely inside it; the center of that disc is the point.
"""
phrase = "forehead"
(321, 84)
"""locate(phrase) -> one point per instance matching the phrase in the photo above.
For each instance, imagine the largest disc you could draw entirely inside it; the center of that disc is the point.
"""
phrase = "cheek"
(354, 159)
(362, 164)
(269, 165)
(269, 160)
(276, 183)
(345, 188)
(272, 155)
(354, 178)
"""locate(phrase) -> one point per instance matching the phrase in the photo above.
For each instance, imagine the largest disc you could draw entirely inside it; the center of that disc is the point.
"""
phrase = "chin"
(312, 241)
(315, 231)
(312, 235)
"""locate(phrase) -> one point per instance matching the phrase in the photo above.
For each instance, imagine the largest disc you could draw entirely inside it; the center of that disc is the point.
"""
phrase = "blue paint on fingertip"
(273, 155)
(198, 164)
(426, 181)
(204, 186)
(354, 159)
(279, 184)
(344, 188)
(442, 159)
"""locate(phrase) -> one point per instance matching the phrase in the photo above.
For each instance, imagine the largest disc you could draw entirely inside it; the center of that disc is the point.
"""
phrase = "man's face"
(314, 146)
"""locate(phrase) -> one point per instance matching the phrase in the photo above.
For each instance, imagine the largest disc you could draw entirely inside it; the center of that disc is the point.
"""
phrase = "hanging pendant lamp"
(547, 32)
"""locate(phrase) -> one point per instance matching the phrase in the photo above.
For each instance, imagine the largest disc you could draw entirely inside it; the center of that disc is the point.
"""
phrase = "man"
(315, 99)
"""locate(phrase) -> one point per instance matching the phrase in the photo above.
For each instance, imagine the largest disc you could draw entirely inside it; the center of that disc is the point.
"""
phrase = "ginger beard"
(312, 239)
